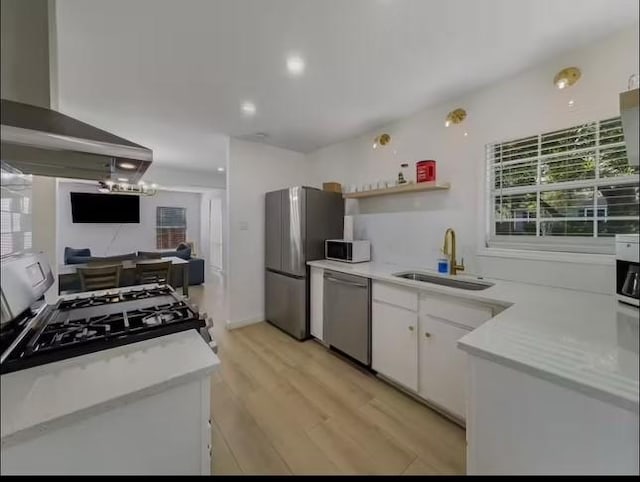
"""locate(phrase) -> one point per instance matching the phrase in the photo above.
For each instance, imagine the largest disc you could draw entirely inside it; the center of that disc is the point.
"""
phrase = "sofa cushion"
(120, 257)
(184, 253)
(77, 259)
(149, 254)
(70, 255)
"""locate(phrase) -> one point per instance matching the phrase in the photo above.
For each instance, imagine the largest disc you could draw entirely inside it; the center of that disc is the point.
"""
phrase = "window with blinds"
(15, 212)
(567, 190)
(171, 227)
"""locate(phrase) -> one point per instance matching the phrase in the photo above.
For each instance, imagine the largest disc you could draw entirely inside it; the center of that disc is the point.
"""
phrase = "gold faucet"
(450, 250)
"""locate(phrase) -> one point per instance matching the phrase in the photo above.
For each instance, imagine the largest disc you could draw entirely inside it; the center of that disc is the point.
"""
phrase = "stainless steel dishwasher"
(347, 314)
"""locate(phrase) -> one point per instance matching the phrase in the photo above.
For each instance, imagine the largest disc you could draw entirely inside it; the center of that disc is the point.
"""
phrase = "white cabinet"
(394, 343)
(163, 433)
(442, 365)
(316, 315)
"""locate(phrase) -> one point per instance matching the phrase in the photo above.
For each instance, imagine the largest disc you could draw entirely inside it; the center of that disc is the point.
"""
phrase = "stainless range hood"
(44, 142)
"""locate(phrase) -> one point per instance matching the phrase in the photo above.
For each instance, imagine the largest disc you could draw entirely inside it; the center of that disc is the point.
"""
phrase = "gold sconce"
(567, 77)
(455, 117)
(381, 140)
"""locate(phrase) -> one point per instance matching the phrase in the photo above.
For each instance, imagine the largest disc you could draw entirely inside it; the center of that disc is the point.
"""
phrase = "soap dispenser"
(443, 263)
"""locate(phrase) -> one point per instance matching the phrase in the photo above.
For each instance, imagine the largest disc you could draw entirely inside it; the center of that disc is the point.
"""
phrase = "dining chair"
(155, 272)
(100, 277)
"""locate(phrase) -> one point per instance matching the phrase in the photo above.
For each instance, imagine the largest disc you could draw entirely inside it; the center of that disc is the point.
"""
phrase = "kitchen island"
(551, 376)
(141, 408)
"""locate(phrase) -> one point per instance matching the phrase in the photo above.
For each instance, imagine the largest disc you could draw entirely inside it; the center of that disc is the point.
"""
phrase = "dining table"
(68, 273)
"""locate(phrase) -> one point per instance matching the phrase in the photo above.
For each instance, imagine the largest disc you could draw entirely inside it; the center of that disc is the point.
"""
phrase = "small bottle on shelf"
(402, 174)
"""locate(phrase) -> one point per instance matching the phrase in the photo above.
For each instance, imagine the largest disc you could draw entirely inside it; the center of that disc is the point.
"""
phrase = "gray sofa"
(196, 265)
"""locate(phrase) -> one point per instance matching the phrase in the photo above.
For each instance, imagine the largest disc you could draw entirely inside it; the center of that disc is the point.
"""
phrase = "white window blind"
(567, 190)
(15, 212)
(171, 227)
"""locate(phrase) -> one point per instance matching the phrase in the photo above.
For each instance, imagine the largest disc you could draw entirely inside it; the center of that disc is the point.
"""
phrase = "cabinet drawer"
(456, 310)
(403, 297)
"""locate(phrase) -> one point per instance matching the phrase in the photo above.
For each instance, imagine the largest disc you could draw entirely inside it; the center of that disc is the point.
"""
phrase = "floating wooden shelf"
(414, 187)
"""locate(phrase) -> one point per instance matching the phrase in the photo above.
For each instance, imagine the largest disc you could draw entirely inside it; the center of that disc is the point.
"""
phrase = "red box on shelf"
(425, 171)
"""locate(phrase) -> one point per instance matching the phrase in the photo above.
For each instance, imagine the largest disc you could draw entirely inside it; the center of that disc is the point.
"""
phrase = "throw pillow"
(75, 253)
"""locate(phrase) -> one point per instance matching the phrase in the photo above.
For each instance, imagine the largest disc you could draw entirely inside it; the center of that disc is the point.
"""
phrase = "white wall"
(409, 229)
(189, 178)
(253, 170)
(113, 239)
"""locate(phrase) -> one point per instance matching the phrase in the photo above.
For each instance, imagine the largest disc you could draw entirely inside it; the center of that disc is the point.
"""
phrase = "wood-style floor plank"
(281, 406)
(223, 462)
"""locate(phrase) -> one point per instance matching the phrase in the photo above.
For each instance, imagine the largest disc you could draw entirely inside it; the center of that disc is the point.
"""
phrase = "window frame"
(569, 244)
(160, 228)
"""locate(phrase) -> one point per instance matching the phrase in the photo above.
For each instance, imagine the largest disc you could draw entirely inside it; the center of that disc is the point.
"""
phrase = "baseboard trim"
(233, 324)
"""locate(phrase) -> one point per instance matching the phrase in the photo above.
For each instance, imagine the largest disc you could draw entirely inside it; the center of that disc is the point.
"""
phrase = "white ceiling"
(171, 74)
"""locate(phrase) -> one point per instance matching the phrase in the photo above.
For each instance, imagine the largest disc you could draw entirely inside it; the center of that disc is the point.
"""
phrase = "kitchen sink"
(463, 284)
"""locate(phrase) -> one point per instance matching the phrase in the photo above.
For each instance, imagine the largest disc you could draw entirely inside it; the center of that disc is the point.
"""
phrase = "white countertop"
(57, 393)
(584, 341)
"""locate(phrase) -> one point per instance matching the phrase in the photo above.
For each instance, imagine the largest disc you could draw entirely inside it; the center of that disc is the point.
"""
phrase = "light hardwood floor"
(280, 406)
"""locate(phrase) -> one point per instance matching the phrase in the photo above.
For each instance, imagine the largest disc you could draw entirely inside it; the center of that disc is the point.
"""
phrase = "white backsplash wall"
(408, 229)
(114, 239)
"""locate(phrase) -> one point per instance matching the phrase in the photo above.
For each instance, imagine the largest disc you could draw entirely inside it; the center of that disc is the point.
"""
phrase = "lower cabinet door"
(442, 365)
(394, 343)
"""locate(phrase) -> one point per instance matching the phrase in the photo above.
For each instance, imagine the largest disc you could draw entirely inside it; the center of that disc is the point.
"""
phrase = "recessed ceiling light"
(123, 179)
(571, 102)
(127, 165)
(248, 108)
(221, 169)
(295, 65)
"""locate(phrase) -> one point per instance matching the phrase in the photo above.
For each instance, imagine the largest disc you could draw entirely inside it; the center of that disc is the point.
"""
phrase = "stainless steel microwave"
(347, 251)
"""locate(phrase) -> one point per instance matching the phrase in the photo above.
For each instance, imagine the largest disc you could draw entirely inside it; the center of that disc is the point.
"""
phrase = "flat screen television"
(104, 208)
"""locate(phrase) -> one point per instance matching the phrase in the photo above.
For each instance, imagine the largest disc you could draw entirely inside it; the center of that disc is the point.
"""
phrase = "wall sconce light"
(455, 117)
(567, 77)
(381, 140)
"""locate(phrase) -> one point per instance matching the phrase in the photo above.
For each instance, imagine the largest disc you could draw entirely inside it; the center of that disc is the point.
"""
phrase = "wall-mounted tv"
(104, 208)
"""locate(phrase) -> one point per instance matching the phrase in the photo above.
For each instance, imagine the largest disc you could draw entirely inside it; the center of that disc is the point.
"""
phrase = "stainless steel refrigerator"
(298, 221)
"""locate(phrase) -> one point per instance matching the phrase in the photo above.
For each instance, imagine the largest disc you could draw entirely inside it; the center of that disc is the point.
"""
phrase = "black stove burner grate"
(71, 336)
(109, 298)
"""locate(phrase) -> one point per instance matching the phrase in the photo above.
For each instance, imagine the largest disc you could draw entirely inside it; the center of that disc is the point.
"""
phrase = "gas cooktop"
(94, 322)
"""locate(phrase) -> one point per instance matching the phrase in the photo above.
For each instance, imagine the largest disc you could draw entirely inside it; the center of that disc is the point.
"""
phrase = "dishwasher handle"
(350, 283)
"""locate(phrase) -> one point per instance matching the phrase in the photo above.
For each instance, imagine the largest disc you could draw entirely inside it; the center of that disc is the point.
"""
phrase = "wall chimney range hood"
(44, 142)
